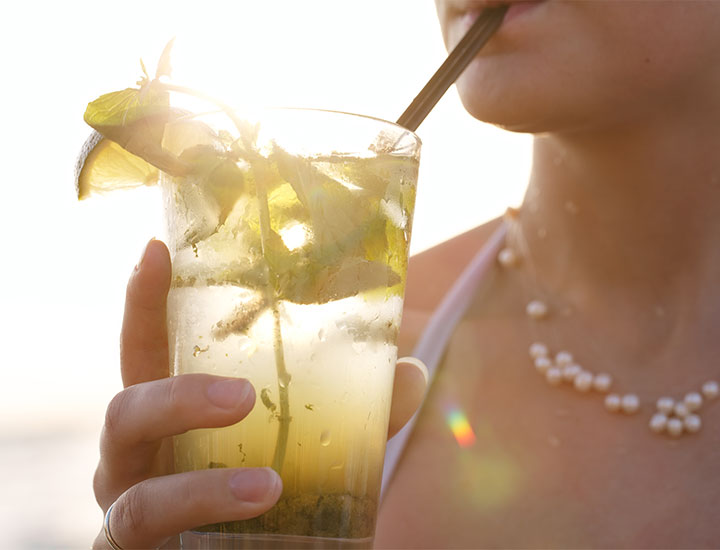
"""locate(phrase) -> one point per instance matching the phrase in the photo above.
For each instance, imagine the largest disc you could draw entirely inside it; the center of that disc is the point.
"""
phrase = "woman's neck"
(623, 234)
(633, 213)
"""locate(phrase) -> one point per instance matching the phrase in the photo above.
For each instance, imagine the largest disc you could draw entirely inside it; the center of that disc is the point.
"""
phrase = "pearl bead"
(613, 402)
(692, 423)
(554, 376)
(570, 372)
(693, 401)
(542, 364)
(658, 423)
(630, 403)
(538, 349)
(665, 405)
(584, 381)
(563, 358)
(710, 389)
(602, 382)
(675, 427)
(536, 310)
(512, 213)
(507, 257)
(681, 410)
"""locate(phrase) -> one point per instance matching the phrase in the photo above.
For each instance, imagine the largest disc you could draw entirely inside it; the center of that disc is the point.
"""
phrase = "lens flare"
(460, 427)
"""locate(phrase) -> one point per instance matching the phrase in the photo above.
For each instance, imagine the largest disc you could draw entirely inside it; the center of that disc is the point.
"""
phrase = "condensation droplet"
(325, 438)
(197, 350)
(321, 334)
(248, 347)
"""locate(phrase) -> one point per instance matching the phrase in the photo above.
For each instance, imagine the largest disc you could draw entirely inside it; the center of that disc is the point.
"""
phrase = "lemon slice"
(105, 166)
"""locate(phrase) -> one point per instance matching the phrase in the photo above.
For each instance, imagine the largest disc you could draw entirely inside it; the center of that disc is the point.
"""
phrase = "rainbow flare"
(460, 427)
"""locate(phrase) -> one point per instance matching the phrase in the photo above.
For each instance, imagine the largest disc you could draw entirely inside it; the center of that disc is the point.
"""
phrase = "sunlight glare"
(295, 235)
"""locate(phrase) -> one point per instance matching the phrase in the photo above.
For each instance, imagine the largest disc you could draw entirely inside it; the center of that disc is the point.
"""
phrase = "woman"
(615, 239)
(617, 236)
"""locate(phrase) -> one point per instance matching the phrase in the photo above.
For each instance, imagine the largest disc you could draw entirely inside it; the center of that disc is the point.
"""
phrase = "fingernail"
(254, 484)
(228, 394)
(144, 253)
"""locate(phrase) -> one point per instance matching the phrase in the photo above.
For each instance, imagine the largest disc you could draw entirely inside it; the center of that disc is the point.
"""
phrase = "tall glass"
(289, 263)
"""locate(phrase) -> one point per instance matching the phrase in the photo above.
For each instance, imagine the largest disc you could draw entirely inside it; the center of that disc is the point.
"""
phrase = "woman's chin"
(518, 105)
(498, 109)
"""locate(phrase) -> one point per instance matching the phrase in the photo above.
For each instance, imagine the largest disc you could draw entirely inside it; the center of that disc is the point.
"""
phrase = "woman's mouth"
(517, 8)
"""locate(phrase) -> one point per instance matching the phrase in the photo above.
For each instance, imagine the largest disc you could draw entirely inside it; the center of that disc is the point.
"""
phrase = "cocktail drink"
(289, 253)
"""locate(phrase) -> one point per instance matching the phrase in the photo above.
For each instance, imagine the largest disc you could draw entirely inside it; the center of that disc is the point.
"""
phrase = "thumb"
(411, 380)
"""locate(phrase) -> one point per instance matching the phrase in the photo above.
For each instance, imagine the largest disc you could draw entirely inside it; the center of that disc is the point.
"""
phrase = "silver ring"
(106, 528)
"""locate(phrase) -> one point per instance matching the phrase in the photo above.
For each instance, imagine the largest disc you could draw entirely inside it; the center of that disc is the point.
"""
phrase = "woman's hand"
(150, 504)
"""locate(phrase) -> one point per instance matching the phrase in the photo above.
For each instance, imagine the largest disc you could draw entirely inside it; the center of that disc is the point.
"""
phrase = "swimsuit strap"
(434, 339)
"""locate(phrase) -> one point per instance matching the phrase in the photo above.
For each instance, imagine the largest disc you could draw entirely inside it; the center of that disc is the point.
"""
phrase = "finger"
(411, 378)
(143, 342)
(149, 513)
(139, 417)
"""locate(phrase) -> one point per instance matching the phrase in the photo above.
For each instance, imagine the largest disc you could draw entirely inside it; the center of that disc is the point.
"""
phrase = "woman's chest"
(497, 460)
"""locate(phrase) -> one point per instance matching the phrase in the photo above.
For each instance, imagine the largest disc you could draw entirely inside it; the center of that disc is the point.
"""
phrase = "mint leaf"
(163, 66)
(219, 173)
(241, 319)
(135, 119)
(333, 212)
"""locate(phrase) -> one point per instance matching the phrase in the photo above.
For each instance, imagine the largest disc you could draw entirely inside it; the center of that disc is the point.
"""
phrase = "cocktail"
(289, 236)
(289, 262)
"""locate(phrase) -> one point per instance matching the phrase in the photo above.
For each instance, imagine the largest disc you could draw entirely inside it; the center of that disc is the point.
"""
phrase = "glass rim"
(344, 113)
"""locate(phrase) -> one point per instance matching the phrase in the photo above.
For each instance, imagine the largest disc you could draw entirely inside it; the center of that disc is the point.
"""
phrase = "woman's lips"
(516, 9)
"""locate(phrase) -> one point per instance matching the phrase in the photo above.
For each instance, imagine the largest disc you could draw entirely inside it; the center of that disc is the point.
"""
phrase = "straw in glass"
(476, 37)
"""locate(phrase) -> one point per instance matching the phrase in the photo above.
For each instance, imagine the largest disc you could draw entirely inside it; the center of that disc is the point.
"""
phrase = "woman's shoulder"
(432, 272)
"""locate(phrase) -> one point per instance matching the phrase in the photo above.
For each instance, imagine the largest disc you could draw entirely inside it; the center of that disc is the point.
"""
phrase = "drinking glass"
(290, 252)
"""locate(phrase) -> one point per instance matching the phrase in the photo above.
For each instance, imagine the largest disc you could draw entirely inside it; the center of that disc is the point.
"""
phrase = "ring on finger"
(106, 528)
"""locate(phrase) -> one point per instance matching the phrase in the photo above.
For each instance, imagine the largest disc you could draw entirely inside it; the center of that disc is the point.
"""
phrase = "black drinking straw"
(477, 36)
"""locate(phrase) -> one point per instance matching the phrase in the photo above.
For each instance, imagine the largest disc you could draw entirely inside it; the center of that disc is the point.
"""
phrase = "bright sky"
(66, 264)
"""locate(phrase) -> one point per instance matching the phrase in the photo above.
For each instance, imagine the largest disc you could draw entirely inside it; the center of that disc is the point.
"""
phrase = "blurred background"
(65, 263)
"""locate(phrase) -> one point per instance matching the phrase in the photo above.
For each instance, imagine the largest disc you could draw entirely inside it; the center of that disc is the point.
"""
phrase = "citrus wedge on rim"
(104, 166)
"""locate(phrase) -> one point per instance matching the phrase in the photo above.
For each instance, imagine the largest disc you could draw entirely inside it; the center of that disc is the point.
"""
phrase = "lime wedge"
(104, 166)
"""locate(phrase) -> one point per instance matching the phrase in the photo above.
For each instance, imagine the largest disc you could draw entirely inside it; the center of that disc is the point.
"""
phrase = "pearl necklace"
(673, 417)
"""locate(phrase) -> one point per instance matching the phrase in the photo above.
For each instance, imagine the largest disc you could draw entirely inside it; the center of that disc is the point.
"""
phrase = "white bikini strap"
(437, 333)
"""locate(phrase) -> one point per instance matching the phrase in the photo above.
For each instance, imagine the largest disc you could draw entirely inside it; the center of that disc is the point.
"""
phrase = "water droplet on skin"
(325, 438)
